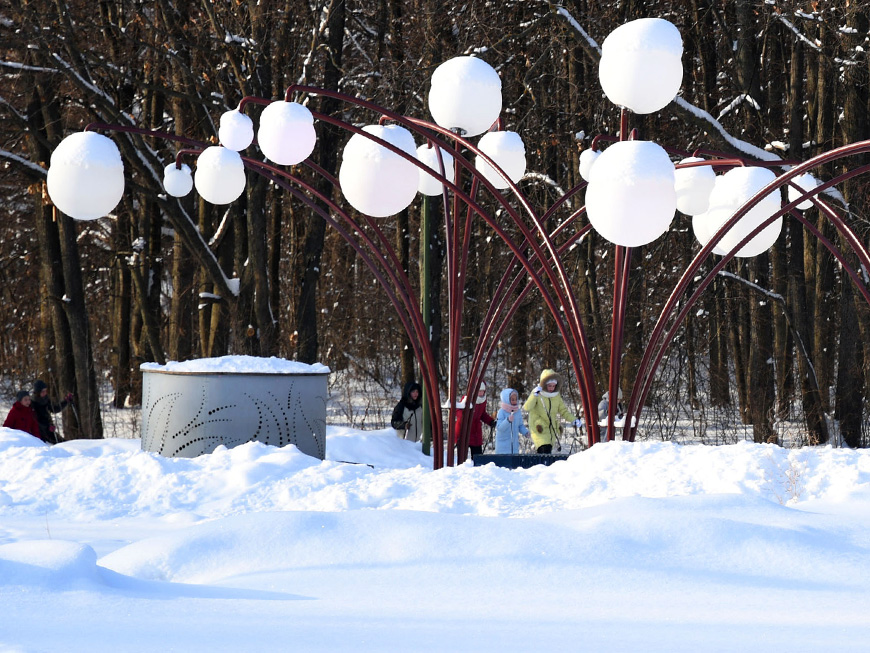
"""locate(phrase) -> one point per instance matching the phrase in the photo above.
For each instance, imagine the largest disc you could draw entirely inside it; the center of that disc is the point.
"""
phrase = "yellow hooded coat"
(544, 411)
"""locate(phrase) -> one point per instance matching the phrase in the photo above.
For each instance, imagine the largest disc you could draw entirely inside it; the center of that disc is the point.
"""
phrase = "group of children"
(545, 408)
(32, 414)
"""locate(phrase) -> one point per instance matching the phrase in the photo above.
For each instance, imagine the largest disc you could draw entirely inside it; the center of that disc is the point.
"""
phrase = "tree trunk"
(328, 144)
(760, 381)
(87, 396)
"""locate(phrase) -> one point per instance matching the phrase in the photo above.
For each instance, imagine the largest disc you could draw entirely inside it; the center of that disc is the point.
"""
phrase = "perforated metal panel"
(186, 414)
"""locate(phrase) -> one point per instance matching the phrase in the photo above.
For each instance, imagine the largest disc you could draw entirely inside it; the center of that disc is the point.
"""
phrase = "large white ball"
(236, 130)
(807, 182)
(465, 94)
(429, 155)
(630, 199)
(641, 64)
(220, 175)
(375, 180)
(177, 182)
(286, 135)
(732, 191)
(508, 152)
(693, 186)
(588, 158)
(86, 176)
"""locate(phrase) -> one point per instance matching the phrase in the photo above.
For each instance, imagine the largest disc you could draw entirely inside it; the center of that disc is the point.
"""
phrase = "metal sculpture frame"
(542, 268)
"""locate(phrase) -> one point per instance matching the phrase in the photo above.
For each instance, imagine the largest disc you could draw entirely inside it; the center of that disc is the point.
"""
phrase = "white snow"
(645, 546)
(239, 365)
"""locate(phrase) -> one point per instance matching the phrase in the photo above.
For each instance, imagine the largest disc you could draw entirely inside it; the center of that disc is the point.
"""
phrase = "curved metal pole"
(565, 292)
(690, 302)
(622, 258)
(646, 371)
(415, 125)
(491, 339)
(408, 320)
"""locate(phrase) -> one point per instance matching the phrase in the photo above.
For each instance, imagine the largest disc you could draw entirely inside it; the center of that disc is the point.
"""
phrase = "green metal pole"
(426, 309)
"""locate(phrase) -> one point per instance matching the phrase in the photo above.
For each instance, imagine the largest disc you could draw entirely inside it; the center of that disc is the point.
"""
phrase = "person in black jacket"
(43, 407)
(407, 416)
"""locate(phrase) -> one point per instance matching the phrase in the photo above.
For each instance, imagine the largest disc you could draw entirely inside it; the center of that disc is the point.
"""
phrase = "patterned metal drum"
(190, 408)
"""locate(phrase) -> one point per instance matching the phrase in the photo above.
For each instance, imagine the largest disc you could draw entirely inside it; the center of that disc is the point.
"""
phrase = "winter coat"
(604, 406)
(43, 408)
(509, 424)
(407, 416)
(545, 409)
(22, 418)
(478, 416)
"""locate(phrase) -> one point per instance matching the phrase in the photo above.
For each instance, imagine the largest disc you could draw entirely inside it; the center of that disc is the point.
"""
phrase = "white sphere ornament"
(220, 175)
(630, 199)
(587, 160)
(86, 176)
(236, 130)
(807, 182)
(701, 225)
(641, 64)
(429, 155)
(466, 95)
(731, 192)
(286, 135)
(375, 180)
(177, 182)
(694, 185)
(508, 152)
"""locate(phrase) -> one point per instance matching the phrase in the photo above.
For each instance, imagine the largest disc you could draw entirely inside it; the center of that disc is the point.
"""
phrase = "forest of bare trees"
(781, 338)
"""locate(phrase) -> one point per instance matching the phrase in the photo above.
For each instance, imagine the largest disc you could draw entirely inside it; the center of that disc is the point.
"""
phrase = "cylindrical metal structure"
(188, 411)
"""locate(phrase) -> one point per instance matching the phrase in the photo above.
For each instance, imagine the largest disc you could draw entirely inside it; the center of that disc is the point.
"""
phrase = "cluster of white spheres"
(286, 136)
(465, 96)
(86, 177)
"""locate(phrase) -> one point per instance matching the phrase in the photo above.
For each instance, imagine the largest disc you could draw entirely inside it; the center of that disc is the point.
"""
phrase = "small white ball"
(286, 135)
(507, 150)
(693, 186)
(808, 183)
(429, 155)
(236, 131)
(588, 158)
(220, 175)
(177, 182)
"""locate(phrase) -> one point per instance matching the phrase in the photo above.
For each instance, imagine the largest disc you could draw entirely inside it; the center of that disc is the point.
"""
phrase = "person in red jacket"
(22, 417)
(478, 416)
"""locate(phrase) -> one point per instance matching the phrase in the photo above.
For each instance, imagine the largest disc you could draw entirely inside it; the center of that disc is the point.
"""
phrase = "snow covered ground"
(625, 547)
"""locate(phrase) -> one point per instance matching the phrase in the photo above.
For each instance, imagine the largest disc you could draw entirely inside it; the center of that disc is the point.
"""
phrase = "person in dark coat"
(21, 416)
(44, 407)
(407, 416)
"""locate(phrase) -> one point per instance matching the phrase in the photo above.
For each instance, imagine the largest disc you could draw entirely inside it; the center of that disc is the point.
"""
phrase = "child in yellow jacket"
(545, 408)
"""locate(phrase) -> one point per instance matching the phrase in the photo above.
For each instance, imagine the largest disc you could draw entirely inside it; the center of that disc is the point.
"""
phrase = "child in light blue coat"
(509, 423)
